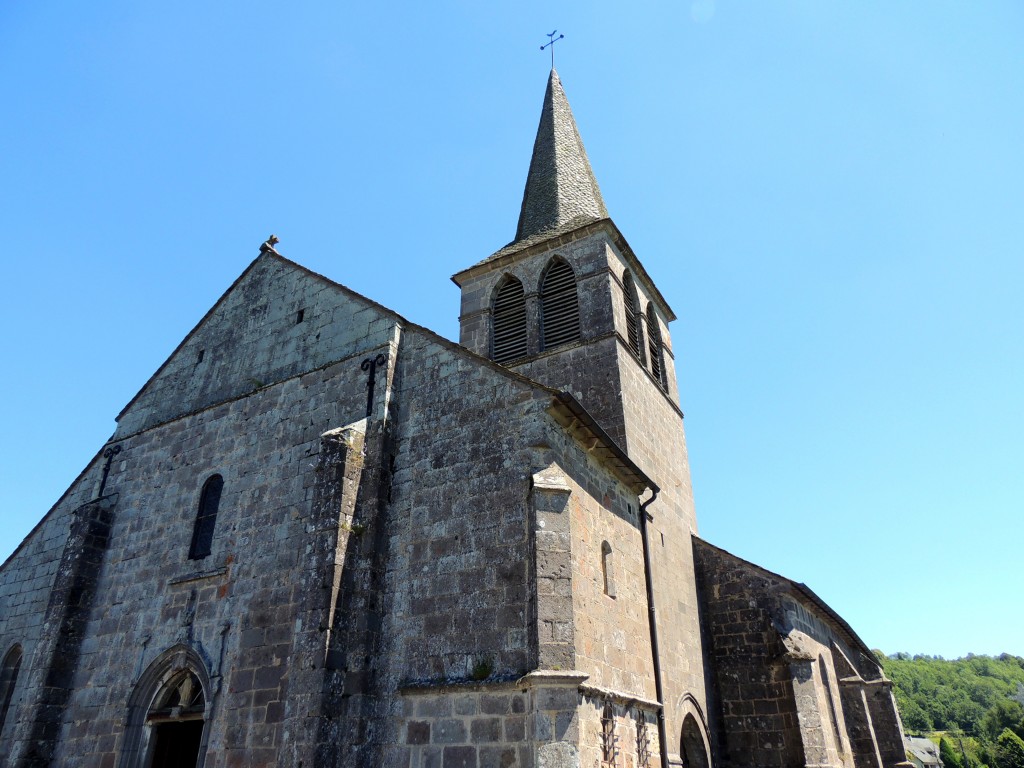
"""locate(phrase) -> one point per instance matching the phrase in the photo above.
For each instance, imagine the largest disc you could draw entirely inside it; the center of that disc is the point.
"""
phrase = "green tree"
(1010, 750)
(949, 755)
(1002, 715)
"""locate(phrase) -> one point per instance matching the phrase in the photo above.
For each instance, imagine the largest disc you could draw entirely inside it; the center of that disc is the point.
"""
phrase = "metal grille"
(654, 335)
(560, 307)
(608, 735)
(508, 322)
(206, 519)
(632, 314)
(643, 743)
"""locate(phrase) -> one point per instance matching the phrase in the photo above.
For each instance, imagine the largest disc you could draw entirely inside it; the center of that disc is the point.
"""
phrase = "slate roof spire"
(561, 191)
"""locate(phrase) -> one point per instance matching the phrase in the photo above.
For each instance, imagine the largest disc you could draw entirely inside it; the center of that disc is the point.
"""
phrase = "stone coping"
(627, 699)
(550, 678)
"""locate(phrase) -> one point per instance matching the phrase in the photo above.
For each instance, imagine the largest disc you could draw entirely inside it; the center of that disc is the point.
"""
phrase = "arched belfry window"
(657, 353)
(8, 681)
(559, 305)
(634, 321)
(508, 322)
(206, 518)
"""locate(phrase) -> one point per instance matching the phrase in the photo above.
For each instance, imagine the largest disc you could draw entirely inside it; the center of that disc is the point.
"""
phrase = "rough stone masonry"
(415, 557)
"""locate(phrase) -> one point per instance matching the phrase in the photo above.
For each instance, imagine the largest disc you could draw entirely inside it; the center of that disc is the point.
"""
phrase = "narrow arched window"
(634, 334)
(206, 518)
(608, 734)
(657, 353)
(608, 568)
(8, 680)
(508, 322)
(643, 742)
(559, 305)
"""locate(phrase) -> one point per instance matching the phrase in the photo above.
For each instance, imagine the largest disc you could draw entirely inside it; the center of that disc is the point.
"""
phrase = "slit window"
(559, 306)
(206, 518)
(300, 316)
(508, 322)
(608, 568)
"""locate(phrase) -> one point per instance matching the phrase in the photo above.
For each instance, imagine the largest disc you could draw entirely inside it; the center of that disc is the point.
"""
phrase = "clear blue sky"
(830, 195)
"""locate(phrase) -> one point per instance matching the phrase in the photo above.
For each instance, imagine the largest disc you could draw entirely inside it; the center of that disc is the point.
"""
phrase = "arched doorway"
(168, 713)
(175, 720)
(692, 746)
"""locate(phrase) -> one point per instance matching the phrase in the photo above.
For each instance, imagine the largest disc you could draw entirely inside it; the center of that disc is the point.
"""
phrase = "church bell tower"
(567, 303)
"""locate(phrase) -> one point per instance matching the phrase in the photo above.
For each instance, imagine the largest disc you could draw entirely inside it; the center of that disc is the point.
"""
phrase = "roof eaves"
(802, 589)
(602, 445)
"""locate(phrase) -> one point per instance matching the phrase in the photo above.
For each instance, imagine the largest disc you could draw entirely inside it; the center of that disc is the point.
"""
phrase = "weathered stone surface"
(422, 559)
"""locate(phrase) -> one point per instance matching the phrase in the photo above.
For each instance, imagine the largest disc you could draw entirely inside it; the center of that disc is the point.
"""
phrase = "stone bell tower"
(568, 303)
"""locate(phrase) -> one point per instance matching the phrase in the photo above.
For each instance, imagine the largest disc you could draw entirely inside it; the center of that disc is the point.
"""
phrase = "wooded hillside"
(974, 705)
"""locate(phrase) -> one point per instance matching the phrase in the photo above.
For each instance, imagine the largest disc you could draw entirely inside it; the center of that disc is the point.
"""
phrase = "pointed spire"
(560, 188)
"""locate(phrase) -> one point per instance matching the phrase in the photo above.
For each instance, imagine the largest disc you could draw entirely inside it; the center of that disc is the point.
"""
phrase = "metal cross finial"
(551, 44)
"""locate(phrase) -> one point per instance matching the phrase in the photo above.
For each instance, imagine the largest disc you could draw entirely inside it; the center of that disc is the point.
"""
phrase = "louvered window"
(206, 518)
(560, 307)
(633, 320)
(508, 322)
(654, 336)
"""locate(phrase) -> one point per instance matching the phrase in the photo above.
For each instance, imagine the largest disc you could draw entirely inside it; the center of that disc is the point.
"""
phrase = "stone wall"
(256, 612)
(237, 607)
(655, 439)
(610, 628)
(253, 337)
(26, 582)
(792, 683)
(474, 725)
(758, 723)
(630, 404)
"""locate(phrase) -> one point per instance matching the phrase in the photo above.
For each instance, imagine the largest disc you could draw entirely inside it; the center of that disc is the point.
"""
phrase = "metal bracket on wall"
(370, 364)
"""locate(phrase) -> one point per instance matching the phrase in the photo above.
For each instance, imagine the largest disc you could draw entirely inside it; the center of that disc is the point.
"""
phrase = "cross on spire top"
(551, 44)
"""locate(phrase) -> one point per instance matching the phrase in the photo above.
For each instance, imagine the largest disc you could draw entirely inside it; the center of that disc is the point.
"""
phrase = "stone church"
(322, 535)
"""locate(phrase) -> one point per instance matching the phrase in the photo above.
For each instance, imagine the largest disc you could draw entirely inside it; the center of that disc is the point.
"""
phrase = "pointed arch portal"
(168, 713)
(692, 746)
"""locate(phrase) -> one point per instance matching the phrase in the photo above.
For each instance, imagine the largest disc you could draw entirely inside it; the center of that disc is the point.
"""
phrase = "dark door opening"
(693, 752)
(176, 745)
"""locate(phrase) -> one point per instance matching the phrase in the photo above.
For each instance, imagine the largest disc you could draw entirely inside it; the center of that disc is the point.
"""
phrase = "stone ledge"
(198, 576)
(461, 686)
(627, 699)
(552, 678)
